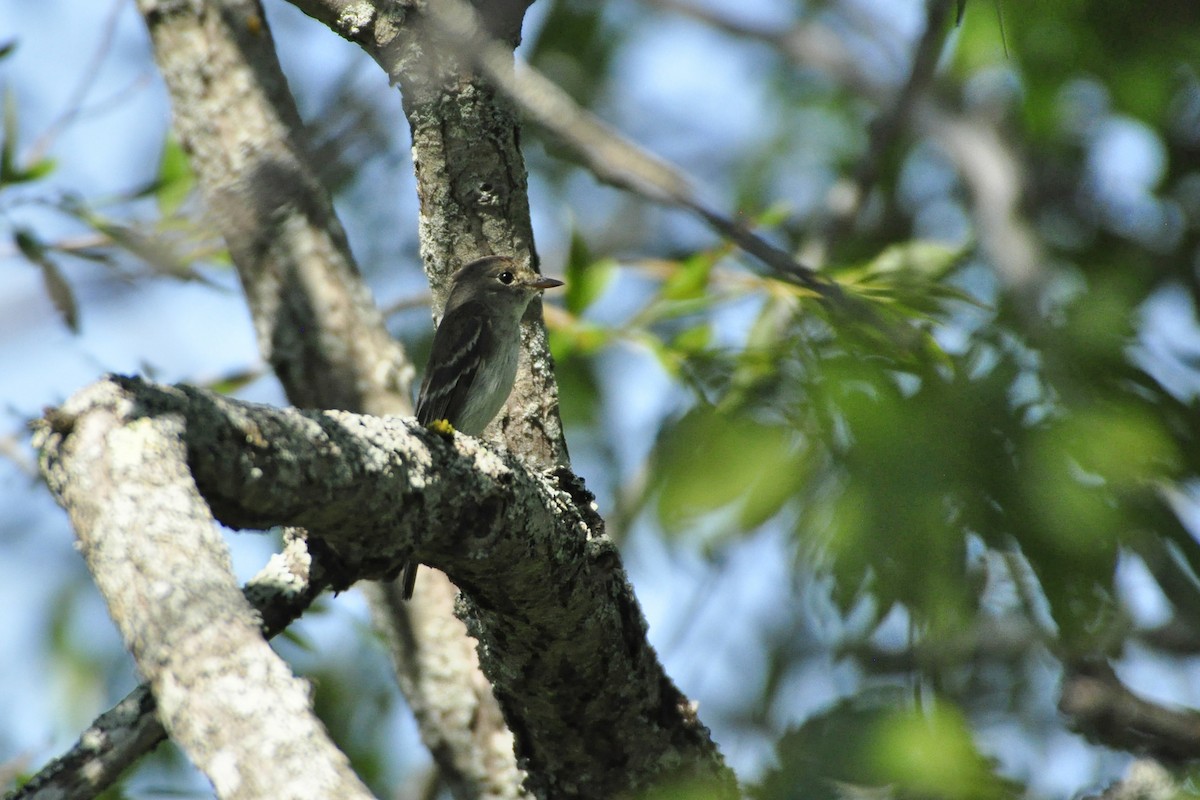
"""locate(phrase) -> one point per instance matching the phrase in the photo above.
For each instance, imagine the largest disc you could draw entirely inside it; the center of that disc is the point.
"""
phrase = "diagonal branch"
(316, 322)
(1104, 710)
(279, 593)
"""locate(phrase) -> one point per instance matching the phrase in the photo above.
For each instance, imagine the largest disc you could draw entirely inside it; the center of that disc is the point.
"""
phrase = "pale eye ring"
(505, 277)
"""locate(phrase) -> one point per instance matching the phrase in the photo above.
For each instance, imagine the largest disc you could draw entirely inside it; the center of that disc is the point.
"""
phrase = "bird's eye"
(505, 277)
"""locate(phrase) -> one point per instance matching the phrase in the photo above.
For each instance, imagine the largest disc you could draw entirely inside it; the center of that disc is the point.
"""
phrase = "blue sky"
(708, 621)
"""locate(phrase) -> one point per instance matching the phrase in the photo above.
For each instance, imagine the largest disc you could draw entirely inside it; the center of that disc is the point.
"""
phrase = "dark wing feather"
(453, 365)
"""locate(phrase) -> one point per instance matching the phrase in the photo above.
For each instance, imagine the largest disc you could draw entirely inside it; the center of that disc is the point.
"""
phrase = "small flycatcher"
(476, 348)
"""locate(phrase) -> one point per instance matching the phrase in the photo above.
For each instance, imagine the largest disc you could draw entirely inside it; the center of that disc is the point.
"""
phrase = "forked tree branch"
(228, 701)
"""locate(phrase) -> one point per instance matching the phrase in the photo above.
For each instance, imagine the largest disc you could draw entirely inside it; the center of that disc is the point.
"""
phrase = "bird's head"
(498, 279)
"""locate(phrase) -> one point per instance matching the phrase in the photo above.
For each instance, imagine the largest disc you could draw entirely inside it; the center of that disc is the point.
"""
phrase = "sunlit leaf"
(234, 381)
(693, 339)
(690, 278)
(175, 179)
(586, 279)
(926, 258)
(708, 461)
(930, 753)
(579, 338)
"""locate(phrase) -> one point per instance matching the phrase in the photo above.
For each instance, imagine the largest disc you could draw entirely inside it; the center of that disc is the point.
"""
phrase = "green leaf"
(929, 259)
(234, 381)
(581, 338)
(708, 461)
(931, 754)
(8, 147)
(690, 280)
(773, 215)
(586, 279)
(693, 340)
(175, 179)
(10, 172)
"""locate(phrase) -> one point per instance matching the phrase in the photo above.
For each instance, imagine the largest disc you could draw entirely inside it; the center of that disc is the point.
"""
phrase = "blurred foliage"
(967, 412)
(963, 447)
(873, 741)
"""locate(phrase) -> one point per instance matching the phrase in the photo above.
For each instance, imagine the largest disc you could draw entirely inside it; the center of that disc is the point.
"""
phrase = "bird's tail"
(410, 578)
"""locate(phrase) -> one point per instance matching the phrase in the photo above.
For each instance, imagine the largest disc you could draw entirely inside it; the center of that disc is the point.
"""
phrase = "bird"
(476, 347)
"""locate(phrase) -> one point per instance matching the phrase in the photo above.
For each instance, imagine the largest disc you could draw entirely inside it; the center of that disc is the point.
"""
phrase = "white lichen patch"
(354, 18)
(487, 460)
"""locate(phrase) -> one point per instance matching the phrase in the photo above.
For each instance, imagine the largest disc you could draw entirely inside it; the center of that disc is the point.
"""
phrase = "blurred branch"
(992, 174)
(86, 82)
(315, 320)
(986, 164)
(990, 640)
(1179, 636)
(812, 45)
(809, 44)
(607, 154)
(886, 129)
(12, 448)
(1105, 711)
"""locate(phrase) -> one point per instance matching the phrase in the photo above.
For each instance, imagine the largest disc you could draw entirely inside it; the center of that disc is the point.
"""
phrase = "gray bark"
(316, 322)
(471, 176)
(279, 593)
(223, 695)
(567, 683)
(560, 635)
(471, 181)
(321, 333)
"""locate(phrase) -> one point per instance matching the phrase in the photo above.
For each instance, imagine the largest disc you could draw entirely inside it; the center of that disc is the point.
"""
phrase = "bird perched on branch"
(476, 348)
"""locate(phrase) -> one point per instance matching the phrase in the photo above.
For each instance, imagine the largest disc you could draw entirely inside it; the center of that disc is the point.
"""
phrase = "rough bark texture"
(279, 593)
(159, 561)
(471, 181)
(471, 177)
(324, 338)
(625, 724)
(561, 637)
(438, 670)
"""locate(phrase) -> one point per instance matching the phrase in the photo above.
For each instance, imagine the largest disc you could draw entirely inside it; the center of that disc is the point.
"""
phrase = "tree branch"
(280, 592)
(223, 695)
(562, 639)
(608, 155)
(317, 326)
(471, 182)
(1106, 712)
(316, 322)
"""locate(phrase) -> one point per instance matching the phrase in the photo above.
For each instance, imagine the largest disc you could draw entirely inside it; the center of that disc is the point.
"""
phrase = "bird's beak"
(544, 283)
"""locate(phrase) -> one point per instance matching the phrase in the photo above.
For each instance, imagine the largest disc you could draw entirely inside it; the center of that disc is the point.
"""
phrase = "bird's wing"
(453, 366)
